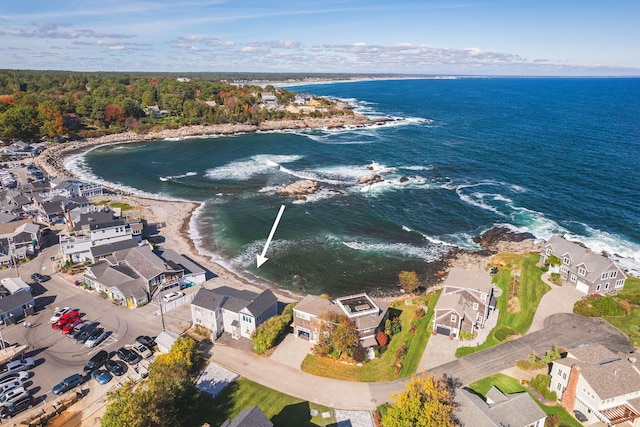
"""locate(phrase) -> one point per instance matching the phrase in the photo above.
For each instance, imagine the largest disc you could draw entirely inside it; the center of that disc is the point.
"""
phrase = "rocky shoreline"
(52, 159)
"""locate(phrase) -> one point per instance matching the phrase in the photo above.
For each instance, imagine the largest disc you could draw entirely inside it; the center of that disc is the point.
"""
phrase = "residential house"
(131, 276)
(90, 230)
(14, 285)
(249, 417)
(602, 385)
(368, 315)
(18, 239)
(589, 272)
(269, 100)
(193, 273)
(235, 311)
(52, 208)
(155, 112)
(76, 188)
(14, 307)
(465, 303)
(498, 410)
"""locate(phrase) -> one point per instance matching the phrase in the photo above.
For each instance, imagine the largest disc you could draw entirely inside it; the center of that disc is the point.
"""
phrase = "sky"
(510, 37)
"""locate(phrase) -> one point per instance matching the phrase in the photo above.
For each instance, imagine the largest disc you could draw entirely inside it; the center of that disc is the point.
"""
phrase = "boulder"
(492, 238)
(371, 179)
(300, 188)
(403, 179)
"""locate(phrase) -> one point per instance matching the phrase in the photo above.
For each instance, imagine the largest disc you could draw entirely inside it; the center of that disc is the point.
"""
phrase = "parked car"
(129, 356)
(96, 361)
(101, 376)
(68, 328)
(13, 395)
(96, 337)
(21, 375)
(40, 277)
(9, 385)
(83, 326)
(65, 320)
(146, 340)
(116, 367)
(142, 350)
(172, 295)
(20, 365)
(17, 406)
(81, 337)
(58, 312)
(68, 383)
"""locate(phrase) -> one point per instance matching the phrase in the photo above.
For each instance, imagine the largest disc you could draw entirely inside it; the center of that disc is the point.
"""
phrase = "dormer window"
(548, 251)
(582, 271)
(605, 275)
(566, 260)
(454, 318)
(614, 274)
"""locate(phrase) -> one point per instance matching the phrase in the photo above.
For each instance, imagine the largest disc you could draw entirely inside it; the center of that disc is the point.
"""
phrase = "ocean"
(541, 155)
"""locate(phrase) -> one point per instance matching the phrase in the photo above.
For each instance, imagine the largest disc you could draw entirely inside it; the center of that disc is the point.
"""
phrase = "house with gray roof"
(193, 273)
(589, 272)
(369, 316)
(602, 385)
(497, 409)
(465, 303)
(18, 239)
(235, 311)
(132, 276)
(250, 417)
(16, 306)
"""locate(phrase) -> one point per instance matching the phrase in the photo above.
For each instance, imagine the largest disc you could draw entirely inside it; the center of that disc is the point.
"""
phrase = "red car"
(65, 320)
(66, 329)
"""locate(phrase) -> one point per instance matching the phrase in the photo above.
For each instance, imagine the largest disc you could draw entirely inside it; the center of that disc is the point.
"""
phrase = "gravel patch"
(353, 418)
(214, 379)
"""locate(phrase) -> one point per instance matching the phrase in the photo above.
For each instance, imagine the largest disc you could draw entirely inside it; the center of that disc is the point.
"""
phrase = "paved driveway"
(291, 351)
(560, 299)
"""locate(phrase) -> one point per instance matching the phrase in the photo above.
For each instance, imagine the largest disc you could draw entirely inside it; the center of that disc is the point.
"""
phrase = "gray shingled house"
(589, 272)
(499, 409)
(235, 311)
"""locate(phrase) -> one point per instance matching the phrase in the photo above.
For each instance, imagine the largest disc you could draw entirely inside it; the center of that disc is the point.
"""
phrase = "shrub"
(596, 306)
(395, 326)
(503, 332)
(540, 383)
(382, 338)
(267, 334)
(420, 313)
(633, 299)
(359, 354)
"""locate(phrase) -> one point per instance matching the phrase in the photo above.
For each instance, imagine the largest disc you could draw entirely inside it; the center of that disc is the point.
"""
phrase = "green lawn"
(508, 385)
(283, 410)
(530, 291)
(380, 368)
(629, 325)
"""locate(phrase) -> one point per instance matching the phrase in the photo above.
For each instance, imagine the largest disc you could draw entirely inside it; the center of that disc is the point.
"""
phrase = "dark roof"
(208, 299)
(262, 302)
(516, 409)
(102, 250)
(234, 299)
(250, 417)
(171, 256)
(97, 220)
(15, 300)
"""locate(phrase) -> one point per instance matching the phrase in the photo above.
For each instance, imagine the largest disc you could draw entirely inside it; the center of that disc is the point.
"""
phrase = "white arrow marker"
(261, 259)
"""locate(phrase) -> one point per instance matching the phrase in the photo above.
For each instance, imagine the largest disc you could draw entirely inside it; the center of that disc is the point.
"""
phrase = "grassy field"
(380, 369)
(508, 385)
(283, 410)
(530, 290)
(629, 325)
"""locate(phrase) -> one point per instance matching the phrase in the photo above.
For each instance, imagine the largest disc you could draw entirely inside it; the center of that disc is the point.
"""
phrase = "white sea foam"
(405, 228)
(427, 253)
(242, 170)
(173, 177)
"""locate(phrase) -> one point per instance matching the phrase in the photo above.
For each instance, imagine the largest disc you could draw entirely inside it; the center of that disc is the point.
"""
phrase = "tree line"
(38, 105)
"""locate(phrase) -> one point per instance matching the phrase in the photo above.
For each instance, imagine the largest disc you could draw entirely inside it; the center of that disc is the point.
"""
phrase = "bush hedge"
(599, 306)
(541, 383)
(267, 334)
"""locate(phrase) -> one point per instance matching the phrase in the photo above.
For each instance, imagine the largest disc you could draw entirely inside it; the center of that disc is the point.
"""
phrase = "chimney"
(568, 400)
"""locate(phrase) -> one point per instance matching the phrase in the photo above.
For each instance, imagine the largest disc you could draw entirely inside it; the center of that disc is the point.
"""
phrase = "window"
(454, 317)
(246, 319)
(606, 286)
(582, 271)
(559, 371)
(303, 316)
(475, 305)
(619, 283)
(564, 269)
(564, 376)
(573, 278)
(566, 260)
(548, 251)
(614, 274)
(605, 275)
(598, 287)
(559, 386)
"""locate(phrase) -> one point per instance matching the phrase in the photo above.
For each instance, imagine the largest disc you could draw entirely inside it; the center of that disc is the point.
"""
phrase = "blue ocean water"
(541, 155)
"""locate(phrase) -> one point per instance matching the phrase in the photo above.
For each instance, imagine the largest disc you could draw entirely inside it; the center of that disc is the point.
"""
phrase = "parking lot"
(58, 355)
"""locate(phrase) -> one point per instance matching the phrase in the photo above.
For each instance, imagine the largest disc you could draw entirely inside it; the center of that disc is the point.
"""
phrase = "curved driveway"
(564, 330)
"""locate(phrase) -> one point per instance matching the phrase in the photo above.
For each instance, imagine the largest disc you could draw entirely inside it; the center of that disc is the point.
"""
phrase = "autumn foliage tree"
(114, 113)
(409, 281)
(338, 334)
(167, 398)
(427, 402)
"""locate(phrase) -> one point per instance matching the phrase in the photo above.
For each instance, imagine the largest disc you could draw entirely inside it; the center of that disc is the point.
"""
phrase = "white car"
(58, 312)
(96, 337)
(172, 295)
(10, 385)
(13, 395)
(20, 365)
(142, 350)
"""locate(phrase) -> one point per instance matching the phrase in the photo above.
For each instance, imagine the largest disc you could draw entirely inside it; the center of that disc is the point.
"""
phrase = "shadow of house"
(298, 414)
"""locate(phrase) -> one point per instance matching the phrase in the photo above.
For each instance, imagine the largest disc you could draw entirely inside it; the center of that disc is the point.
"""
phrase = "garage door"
(443, 330)
(582, 287)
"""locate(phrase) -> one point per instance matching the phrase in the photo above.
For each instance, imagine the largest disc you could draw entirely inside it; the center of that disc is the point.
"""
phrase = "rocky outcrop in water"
(370, 179)
(497, 238)
(300, 188)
